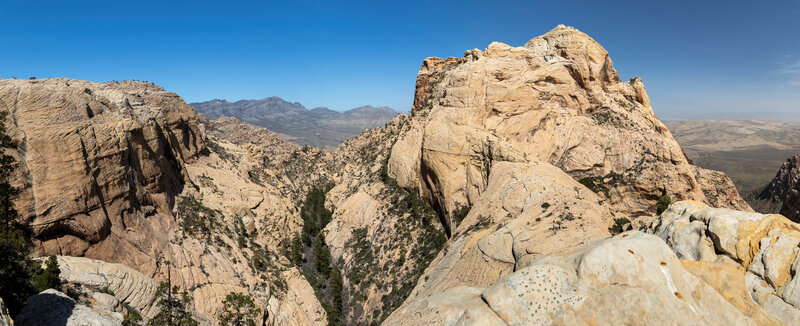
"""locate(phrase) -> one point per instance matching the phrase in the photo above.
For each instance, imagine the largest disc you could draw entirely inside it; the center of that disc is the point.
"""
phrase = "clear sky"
(698, 59)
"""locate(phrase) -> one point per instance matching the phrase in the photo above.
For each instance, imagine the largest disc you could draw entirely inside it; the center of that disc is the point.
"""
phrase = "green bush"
(48, 277)
(618, 224)
(663, 204)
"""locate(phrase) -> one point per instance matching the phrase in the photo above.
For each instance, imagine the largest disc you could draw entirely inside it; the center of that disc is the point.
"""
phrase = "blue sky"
(698, 59)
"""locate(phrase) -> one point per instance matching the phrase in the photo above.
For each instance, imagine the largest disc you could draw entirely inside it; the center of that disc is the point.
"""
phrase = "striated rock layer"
(533, 151)
(120, 173)
(558, 100)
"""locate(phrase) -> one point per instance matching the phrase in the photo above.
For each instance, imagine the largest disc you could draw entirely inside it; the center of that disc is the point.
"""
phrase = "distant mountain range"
(748, 151)
(321, 127)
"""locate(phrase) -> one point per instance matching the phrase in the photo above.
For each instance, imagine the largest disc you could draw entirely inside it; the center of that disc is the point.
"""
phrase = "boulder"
(52, 307)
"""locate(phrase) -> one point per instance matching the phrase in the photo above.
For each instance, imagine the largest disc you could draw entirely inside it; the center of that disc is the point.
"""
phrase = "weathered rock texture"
(520, 152)
(558, 100)
(632, 278)
(120, 172)
(727, 247)
(96, 278)
(532, 151)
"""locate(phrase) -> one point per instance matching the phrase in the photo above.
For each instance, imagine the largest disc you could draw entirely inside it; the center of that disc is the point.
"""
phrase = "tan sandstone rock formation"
(762, 249)
(521, 152)
(633, 279)
(55, 308)
(120, 172)
(558, 100)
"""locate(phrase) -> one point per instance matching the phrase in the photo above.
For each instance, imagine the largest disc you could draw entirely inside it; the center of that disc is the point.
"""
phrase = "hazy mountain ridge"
(321, 127)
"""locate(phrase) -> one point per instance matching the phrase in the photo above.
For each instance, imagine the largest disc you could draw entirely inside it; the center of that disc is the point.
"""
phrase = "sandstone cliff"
(505, 180)
(520, 152)
(120, 172)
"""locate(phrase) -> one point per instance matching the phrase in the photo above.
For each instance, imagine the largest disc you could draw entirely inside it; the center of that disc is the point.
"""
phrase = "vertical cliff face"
(120, 172)
(101, 164)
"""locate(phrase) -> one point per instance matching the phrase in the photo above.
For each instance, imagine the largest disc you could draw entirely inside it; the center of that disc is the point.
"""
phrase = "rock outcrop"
(558, 100)
(97, 162)
(726, 247)
(517, 153)
(784, 182)
(785, 189)
(120, 172)
(633, 278)
(702, 265)
(95, 279)
(52, 307)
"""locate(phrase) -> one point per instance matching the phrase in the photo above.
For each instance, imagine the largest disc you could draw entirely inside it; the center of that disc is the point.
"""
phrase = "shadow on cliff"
(46, 309)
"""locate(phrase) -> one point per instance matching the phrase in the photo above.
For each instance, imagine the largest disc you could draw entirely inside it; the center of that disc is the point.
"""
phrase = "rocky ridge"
(511, 172)
(504, 146)
(120, 172)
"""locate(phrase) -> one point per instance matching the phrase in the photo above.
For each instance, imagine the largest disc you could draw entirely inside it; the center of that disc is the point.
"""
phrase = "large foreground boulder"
(52, 307)
(633, 279)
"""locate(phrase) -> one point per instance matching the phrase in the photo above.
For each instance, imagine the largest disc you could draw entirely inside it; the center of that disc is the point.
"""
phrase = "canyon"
(527, 185)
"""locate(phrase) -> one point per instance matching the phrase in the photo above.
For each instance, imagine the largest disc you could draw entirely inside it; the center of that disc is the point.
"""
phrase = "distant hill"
(748, 151)
(321, 127)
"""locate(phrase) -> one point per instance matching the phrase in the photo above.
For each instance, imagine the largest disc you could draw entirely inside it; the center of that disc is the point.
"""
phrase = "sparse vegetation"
(313, 257)
(663, 204)
(197, 220)
(174, 305)
(238, 310)
(223, 153)
(459, 215)
(16, 271)
(619, 223)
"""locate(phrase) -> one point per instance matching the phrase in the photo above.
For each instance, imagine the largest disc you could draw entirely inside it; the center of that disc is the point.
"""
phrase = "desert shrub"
(663, 204)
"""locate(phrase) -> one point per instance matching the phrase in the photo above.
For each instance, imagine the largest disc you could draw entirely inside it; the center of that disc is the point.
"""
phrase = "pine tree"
(48, 278)
(238, 310)
(15, 238)
(174, 305)
(297, 250)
